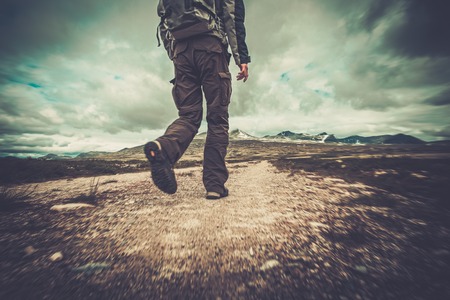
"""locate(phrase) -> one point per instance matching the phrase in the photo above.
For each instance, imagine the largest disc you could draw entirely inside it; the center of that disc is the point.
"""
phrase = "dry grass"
(91, 197)
(11, 196)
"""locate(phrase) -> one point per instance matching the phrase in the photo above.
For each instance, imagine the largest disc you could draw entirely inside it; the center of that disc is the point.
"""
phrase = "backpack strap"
(163, 17)
(212, 13)
(213, 16)
(158, 32)
(206, 8)
(163, 12)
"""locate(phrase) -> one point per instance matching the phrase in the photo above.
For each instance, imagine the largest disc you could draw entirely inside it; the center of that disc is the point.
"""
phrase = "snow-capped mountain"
(238, 134)
(289, 135)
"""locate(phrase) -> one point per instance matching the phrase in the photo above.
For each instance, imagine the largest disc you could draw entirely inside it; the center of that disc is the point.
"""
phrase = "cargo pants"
(201, 63)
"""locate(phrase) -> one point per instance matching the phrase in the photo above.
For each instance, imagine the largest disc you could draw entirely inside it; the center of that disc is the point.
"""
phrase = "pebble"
(317, 224)
(70, 206)
(270, 264)
(92, 267)
(251, 251)
(441, 252)
(56, 257)
(361, 269)
(29, 250)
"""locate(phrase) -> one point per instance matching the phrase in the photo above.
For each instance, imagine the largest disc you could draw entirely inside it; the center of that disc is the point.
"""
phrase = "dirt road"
(278, 235)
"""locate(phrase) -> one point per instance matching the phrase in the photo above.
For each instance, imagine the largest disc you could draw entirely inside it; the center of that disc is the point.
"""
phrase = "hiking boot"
(215, 195)
(160, 167)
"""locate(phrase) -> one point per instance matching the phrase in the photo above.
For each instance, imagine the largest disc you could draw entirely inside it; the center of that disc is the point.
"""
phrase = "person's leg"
(215, 172)
(187, 95)
(166, 150)
(216, 81)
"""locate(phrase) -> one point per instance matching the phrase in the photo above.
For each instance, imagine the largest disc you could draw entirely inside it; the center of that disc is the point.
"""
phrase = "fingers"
(244, 73)
(241, 76)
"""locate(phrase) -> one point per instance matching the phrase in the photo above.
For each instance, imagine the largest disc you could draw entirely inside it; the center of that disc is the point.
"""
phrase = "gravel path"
(277, 236)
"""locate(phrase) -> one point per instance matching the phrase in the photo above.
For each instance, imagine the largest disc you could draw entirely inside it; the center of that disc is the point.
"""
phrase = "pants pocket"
(225, 87)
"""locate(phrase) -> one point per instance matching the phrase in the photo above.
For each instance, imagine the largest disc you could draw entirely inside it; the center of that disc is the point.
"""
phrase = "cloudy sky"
(87, 75)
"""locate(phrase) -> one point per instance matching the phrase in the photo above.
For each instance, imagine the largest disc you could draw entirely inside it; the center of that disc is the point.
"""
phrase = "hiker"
(196, 35)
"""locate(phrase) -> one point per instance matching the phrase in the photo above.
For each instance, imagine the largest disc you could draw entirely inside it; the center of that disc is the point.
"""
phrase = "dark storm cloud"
(376, 11)
(17, 145)
(424, 30)
(31, 30)
(9, 142)
(403, 72)
(27, 26)
(359, 14)
(442, 133)
(88, 72)
(440, 99)
(416, 28)
(445, 133)
(409, 47)
(25, 124)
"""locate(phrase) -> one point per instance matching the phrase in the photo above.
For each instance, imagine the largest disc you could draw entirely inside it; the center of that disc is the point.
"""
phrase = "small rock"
(270, 264)
(251, 251)
(241, 289)
(70, 206)
(441, 252)
(361, 269)
(92, 267)
(29, 250)
(317, 224)
(420, 176)
(56, 257)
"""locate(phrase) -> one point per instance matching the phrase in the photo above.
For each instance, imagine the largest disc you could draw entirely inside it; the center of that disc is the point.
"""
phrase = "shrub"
(12, 196)
(90, 197)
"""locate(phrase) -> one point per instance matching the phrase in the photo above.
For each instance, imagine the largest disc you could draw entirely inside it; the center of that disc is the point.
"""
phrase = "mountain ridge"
(285, 136)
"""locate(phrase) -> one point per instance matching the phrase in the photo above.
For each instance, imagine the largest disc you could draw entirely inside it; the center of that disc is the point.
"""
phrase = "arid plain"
(303, 221)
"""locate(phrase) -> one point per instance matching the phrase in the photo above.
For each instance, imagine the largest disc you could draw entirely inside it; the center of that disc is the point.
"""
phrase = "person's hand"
(243, 74)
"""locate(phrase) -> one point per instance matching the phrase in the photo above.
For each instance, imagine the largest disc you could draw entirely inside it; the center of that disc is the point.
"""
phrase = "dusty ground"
(301, 222)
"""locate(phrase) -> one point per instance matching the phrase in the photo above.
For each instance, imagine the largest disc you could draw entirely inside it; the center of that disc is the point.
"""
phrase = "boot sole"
(163, 175)
(216, 196)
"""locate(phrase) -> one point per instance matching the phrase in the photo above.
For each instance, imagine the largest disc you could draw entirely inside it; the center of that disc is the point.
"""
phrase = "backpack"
(186, 18)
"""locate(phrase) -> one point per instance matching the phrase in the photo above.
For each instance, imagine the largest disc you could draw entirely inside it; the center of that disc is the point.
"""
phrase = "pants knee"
(217, 128)
(192, 117)
(217, 117)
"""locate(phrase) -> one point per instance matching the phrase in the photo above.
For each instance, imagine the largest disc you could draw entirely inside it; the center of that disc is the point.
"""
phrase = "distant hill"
(354, 139)
(443, 143)
(52, 156)
(134, 152)
(289, 135)
(200, 136)
(91, 154)
(381, 139)
(237, 134)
